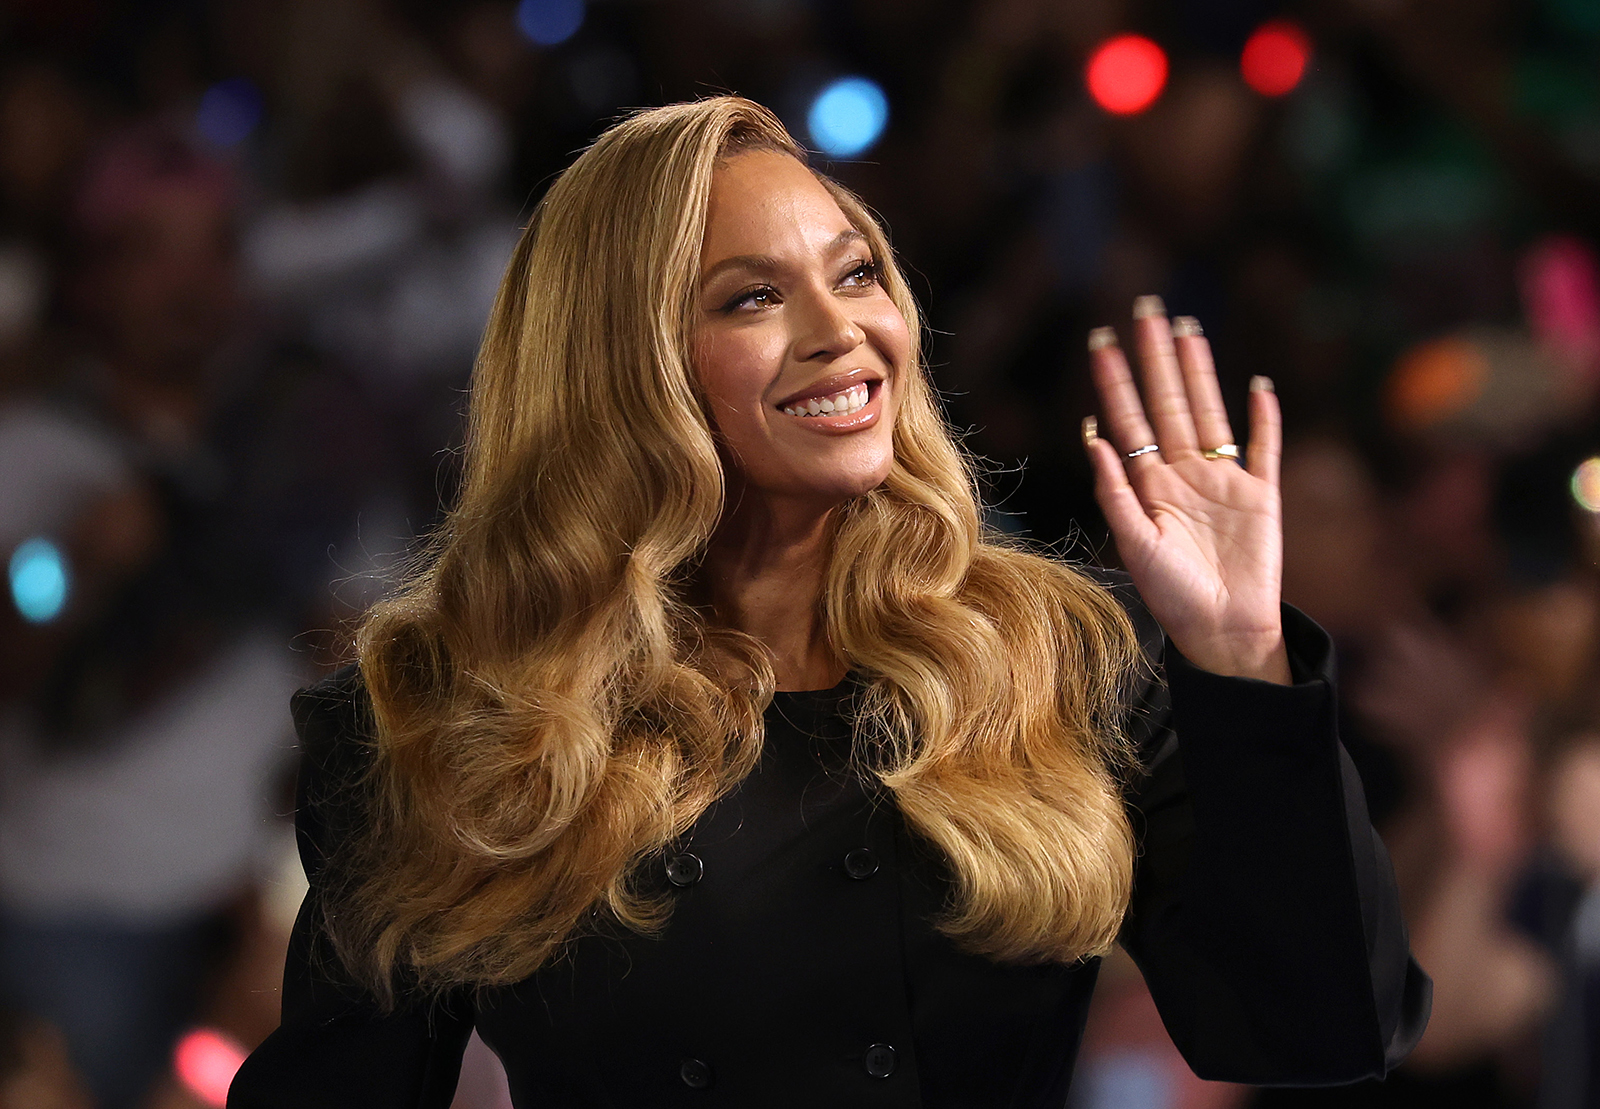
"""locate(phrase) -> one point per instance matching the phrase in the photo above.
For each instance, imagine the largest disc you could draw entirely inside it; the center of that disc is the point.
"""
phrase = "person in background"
(138, 751)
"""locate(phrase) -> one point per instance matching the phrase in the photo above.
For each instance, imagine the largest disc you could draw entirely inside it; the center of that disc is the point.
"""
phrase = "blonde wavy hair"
(551, 706)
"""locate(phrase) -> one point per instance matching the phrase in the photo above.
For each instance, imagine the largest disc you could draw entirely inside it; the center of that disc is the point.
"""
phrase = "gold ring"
(1230, 451)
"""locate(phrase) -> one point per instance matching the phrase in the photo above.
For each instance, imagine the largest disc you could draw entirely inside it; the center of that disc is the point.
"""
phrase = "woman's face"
(798, 347)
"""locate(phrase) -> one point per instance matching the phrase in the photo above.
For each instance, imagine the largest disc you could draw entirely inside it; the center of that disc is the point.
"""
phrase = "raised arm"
(1265, 915)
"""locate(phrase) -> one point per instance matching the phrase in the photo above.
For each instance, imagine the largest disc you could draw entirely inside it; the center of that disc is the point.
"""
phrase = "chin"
(855, 485)
(823, 481)
(861, 470)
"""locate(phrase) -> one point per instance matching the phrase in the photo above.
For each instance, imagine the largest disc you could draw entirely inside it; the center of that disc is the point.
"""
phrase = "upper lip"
(828, 386)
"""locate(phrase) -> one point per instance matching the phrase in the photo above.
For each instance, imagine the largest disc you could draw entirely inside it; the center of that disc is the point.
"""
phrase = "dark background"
(246, 250)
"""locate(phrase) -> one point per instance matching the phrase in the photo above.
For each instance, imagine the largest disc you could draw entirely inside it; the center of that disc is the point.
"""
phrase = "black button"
(880, 1060)
(685, 870)
(861, 863)
(695, 1074)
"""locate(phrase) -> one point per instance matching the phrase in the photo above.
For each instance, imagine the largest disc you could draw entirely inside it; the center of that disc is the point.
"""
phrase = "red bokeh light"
(1275, 57)
(206, 1061)
(1125, 74)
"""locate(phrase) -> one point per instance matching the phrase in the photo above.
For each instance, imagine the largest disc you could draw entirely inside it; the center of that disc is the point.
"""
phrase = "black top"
(799, 967)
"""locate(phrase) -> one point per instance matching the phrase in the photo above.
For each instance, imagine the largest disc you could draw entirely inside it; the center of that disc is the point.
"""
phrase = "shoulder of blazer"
(333, 720)
(338, 700)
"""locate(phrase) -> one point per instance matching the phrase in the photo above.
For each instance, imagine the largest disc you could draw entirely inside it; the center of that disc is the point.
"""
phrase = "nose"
(827, 331)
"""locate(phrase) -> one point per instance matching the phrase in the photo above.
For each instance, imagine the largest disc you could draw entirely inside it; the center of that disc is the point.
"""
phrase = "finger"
(1124, 512)
(1164, 395)
(1124, 422)
(1266, 431)
(1200, 380)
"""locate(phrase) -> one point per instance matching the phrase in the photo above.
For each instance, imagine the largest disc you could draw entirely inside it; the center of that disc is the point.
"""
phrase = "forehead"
(766, 202)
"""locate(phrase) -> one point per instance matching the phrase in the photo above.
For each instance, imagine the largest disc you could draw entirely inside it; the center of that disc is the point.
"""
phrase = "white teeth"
(851, 400)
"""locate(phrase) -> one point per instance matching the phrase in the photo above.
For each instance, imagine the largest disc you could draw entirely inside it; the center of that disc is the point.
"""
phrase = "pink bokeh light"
(205, 1061)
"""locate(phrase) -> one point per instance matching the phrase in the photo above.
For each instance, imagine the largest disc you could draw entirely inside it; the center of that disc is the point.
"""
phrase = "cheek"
(732, 369)
(893, 340)
(891, 335)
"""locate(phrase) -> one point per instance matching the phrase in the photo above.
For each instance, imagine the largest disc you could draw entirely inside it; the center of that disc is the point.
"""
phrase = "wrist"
(1264, 658)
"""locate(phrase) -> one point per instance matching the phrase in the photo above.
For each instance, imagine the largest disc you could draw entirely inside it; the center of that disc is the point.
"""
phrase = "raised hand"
(1201, 535)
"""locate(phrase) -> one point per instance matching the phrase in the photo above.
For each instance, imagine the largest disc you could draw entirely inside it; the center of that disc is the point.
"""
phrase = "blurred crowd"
(246, 251)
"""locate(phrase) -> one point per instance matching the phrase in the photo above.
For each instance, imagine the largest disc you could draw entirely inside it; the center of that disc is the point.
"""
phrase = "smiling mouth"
(843, 403)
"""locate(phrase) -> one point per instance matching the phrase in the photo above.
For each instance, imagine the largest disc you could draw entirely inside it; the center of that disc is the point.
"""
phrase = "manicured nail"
(1147, 306)
(1102, 337)
(1259, 384)
(1091, 430)
(1185, 326)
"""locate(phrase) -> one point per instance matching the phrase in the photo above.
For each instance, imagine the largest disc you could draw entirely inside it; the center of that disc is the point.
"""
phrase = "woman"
(716, 755)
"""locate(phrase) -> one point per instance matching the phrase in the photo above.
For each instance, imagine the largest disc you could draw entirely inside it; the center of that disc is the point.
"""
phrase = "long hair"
(550, 706)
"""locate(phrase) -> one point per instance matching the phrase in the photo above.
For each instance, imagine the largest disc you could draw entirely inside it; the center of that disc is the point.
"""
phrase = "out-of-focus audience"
(245, 254)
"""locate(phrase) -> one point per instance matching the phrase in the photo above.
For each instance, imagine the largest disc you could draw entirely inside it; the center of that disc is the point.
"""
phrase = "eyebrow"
(765, 263)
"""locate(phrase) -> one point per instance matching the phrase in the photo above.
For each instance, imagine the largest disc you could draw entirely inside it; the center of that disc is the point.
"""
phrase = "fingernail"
(1259, 384)
(1146, 306)
(1185, 326)
(1091, 430)
(1102, 337)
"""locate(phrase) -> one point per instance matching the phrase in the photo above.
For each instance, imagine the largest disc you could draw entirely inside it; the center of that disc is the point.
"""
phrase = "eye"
(861, 275)
(762, 296)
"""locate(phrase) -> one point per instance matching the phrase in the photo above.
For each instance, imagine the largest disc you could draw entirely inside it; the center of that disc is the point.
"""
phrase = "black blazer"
(799, 968)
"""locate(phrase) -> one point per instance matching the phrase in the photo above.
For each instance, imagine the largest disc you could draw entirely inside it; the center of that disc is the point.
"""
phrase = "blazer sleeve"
(1264, 916)
(334, 1047)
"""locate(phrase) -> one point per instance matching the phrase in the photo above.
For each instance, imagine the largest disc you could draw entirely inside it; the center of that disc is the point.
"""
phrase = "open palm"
(1201, 536)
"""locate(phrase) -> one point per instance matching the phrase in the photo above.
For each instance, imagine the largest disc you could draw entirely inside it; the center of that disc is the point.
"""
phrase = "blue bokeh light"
(229, 111)
(549, 22)
(847, 117)
(39, 580)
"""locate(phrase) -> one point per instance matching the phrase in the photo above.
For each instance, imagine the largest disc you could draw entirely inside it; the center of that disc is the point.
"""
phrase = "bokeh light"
(1126, 74)
(229, 111)
(1275, 57)
(205, 1062)
(1559, 278)
(39, 580)
(1586, 484)
(549, 22)
(848, 117)
(1435, 381)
